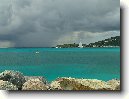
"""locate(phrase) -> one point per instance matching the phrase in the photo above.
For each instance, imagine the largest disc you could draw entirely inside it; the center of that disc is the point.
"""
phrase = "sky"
(46, 23)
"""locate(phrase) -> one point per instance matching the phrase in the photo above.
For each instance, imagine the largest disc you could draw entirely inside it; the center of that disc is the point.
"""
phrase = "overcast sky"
(46, 23)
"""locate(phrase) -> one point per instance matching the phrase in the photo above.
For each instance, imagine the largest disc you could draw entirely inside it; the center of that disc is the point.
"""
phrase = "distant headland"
(110, 42)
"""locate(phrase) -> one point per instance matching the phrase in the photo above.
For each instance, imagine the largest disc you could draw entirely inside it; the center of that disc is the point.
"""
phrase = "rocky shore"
(14, 80)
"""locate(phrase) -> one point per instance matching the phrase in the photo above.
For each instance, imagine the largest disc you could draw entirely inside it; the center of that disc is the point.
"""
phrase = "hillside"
(110, 42)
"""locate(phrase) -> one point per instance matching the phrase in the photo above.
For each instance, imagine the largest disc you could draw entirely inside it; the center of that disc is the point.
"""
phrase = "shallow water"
(92, 63)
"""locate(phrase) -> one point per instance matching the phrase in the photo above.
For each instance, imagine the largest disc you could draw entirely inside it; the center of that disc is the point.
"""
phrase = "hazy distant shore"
(14, 80)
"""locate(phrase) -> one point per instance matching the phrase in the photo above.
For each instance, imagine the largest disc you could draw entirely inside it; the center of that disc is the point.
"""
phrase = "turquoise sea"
(92, 63)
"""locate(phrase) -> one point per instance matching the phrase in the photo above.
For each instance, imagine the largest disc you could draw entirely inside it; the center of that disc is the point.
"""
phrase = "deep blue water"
(92, 63)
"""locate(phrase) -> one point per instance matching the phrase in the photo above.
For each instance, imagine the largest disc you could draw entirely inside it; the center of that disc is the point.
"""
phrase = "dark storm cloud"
(34, 23)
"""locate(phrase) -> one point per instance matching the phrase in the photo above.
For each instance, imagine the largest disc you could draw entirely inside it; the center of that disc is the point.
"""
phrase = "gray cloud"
(43, 23)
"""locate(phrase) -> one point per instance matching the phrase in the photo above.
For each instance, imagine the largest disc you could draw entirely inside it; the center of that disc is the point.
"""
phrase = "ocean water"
(89, 63)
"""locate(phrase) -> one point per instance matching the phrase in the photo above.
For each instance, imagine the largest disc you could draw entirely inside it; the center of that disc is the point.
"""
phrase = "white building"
(80, 45)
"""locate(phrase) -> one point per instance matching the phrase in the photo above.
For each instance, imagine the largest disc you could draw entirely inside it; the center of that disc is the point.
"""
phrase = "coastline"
(14, 80)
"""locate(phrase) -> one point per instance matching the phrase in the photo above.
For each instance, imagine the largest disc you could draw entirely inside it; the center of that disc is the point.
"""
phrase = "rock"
(34, 84)
(55, 85)
(114, 83)
(36, 77)
(79, 84)
(5, 85)
(13, 77)
(14, 80)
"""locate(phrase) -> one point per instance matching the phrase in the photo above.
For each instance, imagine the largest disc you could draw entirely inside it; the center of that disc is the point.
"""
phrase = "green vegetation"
(68, 46)
(110, 42)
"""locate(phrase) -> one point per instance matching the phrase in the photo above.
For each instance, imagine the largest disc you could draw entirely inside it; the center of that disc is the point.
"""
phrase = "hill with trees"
(110, 42)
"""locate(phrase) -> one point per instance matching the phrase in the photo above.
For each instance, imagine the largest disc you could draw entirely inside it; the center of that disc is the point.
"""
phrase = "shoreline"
(14, 80)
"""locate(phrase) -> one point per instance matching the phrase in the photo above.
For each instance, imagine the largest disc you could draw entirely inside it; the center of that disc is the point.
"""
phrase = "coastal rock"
(5, 85)
(13, 80)
(34, 84)
(55, 85)
(79, 84)
(13, 77)
(36, 77)
(114, 83)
